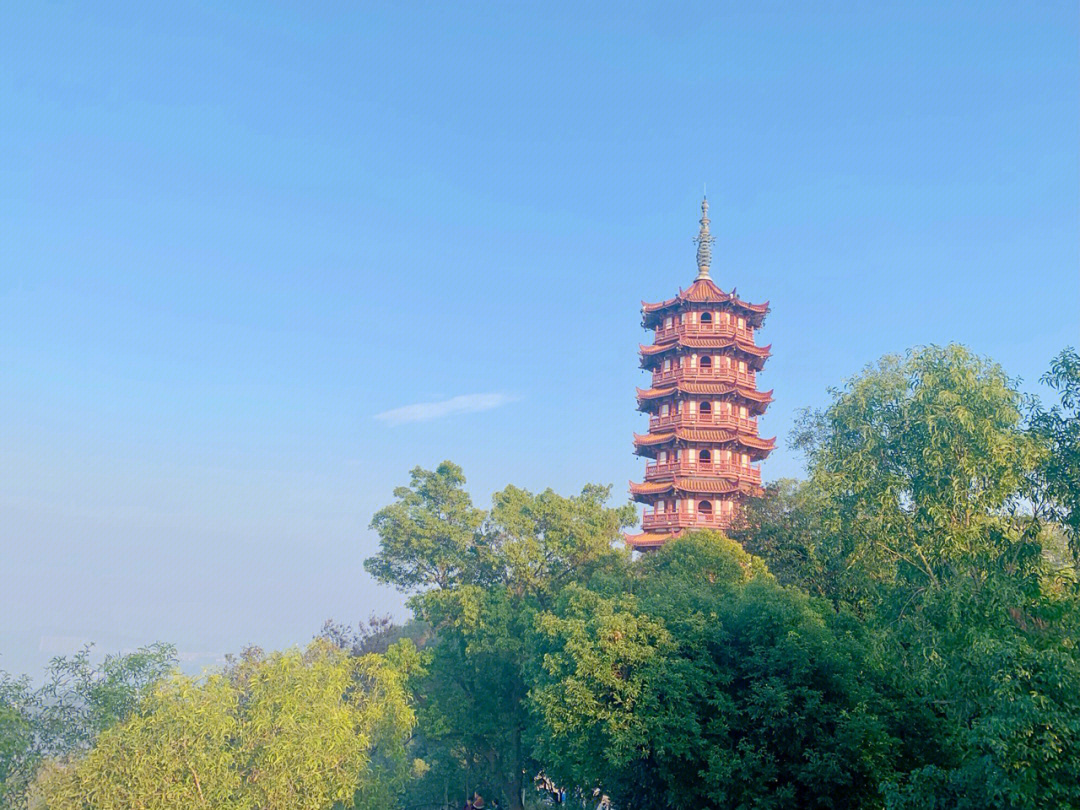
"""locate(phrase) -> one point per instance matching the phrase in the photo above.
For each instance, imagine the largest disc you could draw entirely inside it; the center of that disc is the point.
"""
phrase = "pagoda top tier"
(702, 291)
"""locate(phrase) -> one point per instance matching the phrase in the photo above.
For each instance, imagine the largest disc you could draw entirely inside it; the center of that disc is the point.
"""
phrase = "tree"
(915, 516)
(18, 757)
(1059, 428)
(80, 700)
(63, 718)
(917, 468)
(428, 538)
(783, 527)
(286, 730)
(479, 579)
(376, 635)
(711, 685)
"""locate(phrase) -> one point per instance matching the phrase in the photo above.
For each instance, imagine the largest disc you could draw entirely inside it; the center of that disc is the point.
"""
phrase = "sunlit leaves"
(62, 718)
(287, 730)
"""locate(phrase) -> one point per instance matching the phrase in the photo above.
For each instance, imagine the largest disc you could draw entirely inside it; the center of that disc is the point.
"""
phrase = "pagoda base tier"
(648, 541)
(677, 521)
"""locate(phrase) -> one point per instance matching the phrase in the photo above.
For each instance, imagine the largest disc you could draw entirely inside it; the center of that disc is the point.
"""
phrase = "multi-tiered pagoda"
(703, 406)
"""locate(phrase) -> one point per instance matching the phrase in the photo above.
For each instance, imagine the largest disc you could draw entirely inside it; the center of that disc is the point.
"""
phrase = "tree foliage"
(18, 751)
(712, 685)
(63, 718)
(1059, 428)
(914, 468)
(914, 516)
(482, 578)
(287, 730)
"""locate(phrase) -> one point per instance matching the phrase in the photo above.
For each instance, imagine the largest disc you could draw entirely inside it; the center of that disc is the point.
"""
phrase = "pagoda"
(703, 406)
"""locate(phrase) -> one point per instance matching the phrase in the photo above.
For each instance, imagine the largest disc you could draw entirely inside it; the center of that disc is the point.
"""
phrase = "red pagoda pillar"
(703, 406)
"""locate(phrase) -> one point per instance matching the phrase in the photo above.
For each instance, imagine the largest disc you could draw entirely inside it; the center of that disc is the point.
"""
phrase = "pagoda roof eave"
(653, 439)
(699, 388)
(705, 291)
(728, 485)
(648, 443)
(705, 343)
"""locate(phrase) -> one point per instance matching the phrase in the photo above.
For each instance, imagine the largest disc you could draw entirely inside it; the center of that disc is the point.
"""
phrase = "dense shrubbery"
(899, 630)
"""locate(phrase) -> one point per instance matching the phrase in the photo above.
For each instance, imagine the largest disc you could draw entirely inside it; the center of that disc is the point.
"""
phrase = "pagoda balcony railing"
(706, 374)
(653, 520)
(706, 420)
(664, 469)
(715, 329)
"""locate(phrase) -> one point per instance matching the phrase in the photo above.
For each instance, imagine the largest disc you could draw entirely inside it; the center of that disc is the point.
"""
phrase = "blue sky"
(231, 236)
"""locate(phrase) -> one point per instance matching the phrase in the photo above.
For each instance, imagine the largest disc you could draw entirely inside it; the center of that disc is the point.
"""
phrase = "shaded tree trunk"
(515, 784)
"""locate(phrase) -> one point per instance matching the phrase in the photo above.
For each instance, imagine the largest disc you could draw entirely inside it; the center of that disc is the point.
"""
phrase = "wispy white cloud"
(426, 411)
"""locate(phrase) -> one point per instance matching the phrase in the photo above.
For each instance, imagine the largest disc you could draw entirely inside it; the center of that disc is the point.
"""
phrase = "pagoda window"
(705, 507)
(667, 322)
(660, 506)
(742, 366)
(665, 409)
(742, 323)
(705, 457)
(742, 412)
(706, 361)
(662, 457)
(705, 408)
(706, 317)
(745, 460)
(667, 364)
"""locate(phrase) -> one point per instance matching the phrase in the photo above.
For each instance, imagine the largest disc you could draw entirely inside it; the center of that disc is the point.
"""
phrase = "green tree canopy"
(914, 467)
(482, 578)
(916, 515)
(1059, 429)
(62, 718)
(712, 685)
(288, 730)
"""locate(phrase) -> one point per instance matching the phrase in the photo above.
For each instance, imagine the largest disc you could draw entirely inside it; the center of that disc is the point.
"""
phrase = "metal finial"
(704, 242)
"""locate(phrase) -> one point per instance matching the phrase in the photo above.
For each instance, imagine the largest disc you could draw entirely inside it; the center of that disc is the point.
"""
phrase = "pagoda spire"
(704, 242)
